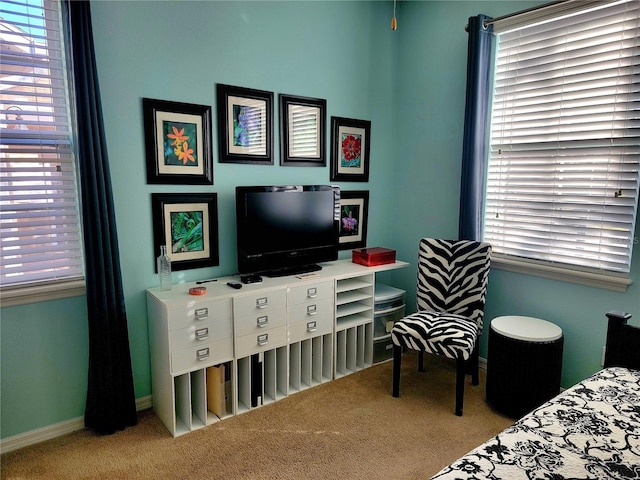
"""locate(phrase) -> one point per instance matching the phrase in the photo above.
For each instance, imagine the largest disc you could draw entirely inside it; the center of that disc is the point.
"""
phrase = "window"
(41, 250)
(563, 177)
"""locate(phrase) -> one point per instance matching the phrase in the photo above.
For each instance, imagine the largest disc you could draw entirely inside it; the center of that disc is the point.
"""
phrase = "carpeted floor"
(350, 428)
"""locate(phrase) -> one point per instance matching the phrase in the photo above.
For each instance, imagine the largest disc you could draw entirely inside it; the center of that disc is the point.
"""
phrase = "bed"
(589, 431)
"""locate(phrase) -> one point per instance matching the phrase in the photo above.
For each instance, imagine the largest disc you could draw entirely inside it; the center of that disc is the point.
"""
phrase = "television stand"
(297, 270)
(304, 332)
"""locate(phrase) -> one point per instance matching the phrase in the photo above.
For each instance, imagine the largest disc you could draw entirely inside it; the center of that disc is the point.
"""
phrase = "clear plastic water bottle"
(164, 269)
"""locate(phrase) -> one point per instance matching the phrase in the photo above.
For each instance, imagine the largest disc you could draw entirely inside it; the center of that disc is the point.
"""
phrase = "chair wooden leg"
(472, 367)
(475, 376)
(397, 359)
(420, 361)
(460, 377)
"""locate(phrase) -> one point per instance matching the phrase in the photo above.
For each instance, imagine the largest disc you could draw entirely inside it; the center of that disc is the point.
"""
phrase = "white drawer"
(303, 293)
(199, 312)
(259, 302)
(201, 356)
(200, 333)
(260, 321)
(310, 328)
(311, 309)
(259, 342)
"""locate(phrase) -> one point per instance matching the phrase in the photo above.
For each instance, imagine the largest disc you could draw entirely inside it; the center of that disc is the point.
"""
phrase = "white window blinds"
(39, 212)
(563, 175)
(304, 139)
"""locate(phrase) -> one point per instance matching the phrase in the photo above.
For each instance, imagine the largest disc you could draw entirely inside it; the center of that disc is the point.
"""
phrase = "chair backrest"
(452, 277)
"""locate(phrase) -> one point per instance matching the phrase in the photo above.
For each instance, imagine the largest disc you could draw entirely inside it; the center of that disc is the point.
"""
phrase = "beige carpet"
(350, 428)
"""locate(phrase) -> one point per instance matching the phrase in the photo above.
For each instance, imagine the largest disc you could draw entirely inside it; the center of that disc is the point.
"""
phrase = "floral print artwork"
(186, 232)
(179, 143)
(351, 148)
(349, 224)
(247, 125)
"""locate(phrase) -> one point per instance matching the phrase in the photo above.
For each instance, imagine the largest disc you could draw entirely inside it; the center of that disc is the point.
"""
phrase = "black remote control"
(235, 285)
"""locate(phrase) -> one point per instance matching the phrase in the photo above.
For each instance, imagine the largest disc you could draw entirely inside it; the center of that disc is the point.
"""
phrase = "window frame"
(56, 286)
(605, 279)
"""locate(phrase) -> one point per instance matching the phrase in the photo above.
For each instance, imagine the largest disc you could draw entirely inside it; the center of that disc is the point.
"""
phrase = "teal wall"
(430, 115)
(409, 83)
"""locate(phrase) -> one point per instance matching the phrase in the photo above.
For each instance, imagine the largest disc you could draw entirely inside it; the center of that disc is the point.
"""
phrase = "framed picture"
(302, 131)
(178, 142)
(350, 140)
(245, 125)
(187, 223)
(354, 209)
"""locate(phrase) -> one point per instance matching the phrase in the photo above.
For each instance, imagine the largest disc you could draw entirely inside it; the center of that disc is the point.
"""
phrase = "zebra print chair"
(452, 285)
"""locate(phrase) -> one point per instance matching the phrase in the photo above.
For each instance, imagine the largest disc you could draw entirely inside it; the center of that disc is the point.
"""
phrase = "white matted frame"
(354, 211)
(350, 145)
(178, 142)
(245, 125)
(302, 131)
(187, 223)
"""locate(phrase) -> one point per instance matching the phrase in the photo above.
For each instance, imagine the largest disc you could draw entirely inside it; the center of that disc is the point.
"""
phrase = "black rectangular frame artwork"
(350, 148)
(177, 132)
(354, 213)
(245, 125)
(176, 225)
(305, 109)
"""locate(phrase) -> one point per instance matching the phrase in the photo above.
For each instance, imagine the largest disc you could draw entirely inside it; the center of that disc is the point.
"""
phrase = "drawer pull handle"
(311, 326)
(262, 302)
(202, 354)
(201, 313)
(312, 292)
(263, 339)
(202, 334)
(312, 310)
(262, 321)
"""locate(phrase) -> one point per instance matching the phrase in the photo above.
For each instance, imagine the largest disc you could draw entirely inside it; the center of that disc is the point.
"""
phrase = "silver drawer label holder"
(201, 313)
(202, 354)
(262, 302)
(202, 333)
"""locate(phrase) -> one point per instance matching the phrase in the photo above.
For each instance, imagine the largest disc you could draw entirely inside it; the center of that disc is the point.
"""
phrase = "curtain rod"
(488, 22)
(543, 12)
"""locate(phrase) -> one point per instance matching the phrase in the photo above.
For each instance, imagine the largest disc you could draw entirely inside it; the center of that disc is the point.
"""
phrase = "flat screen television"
(286, 230)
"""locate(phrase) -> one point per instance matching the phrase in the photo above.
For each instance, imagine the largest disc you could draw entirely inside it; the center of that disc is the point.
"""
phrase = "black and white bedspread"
(589, 431)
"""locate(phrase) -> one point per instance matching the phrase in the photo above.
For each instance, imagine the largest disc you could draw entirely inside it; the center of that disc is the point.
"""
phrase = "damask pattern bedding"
(589, 431)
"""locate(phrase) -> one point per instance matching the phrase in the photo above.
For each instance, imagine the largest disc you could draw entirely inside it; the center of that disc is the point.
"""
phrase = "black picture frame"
(299, 117)
(175, 224)
(350, 148)
(245, 125)
(177, 142)
(354, 213)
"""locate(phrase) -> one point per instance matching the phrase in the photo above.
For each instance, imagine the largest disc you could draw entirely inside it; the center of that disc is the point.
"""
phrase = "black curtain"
(111, 402)
(476, 129)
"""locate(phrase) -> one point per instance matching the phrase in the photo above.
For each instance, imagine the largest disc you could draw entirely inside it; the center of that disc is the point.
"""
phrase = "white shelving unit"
(354, 324)
(274, 338)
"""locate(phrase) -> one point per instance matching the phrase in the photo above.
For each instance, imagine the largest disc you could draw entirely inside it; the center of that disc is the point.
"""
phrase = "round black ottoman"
(524, 363)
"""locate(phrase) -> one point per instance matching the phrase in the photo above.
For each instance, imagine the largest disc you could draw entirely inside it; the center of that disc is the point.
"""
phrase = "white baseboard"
(56, 430)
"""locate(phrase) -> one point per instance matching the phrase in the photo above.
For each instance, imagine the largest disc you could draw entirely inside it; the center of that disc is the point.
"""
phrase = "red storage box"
(370, 257)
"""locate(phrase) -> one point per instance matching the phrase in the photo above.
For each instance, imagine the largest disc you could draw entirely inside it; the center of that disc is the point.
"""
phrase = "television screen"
(283, 230)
